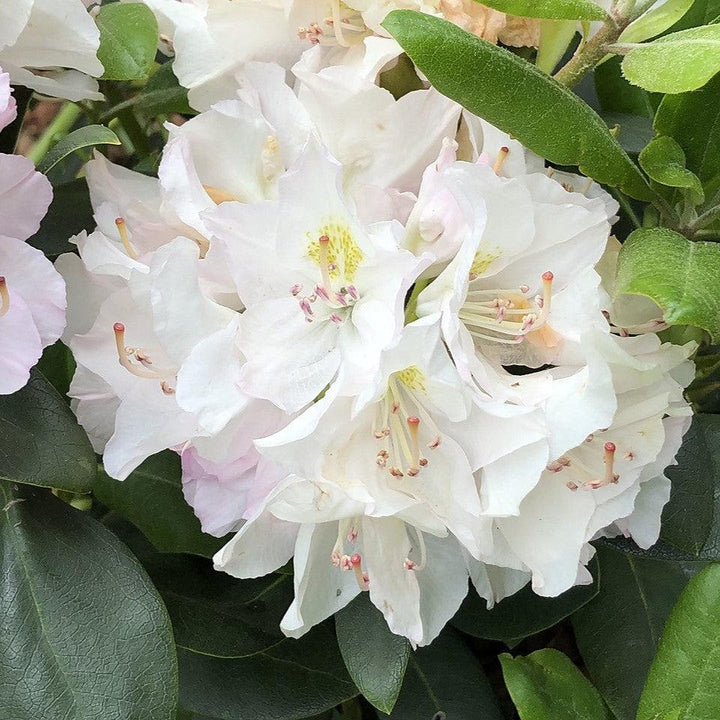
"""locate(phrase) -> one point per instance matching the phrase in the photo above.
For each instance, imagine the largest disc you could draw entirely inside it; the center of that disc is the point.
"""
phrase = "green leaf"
(84, 634)
(550, 9)
(682, 277)
(693, 119)
(70, 212)
(555, 38)
(83, 137)
(664, 161)
(655, 22)
(445, 677)
(128, 40)
(618, 631)
(522, 614)
(685, 674)
(292, 680)
(41, 442)
(516, 97)
(547, 686)
(675, 63)
(375, 657)
(691, 519)
(151, 498)
(617, 95)
(57, 364)
(163, 94)
(634, 131)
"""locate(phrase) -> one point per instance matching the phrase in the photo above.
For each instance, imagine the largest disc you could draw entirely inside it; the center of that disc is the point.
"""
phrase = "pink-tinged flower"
(32, 294)
(8, 108)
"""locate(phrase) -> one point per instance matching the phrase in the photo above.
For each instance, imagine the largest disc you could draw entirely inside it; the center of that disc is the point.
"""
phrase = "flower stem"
(411, 307)
(57, 129)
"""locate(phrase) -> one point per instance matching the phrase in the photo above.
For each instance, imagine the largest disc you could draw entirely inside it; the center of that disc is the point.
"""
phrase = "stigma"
(592, 481)
(125, 238)
(142, 367)
(506, 316)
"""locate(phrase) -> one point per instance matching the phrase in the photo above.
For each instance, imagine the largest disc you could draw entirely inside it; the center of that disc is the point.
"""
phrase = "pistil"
(4, 296)
(122, 230)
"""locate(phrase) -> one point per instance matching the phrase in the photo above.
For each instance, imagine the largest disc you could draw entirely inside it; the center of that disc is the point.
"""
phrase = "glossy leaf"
(547, 686)
(550, 9)
(664, 161)
(84, 137)
(58, 366)
(128, 40)
(84, 633)
(657, 21)
(618, 631)
(516, 97)
(693, 119)
(375, 657)
(522, 614)
(682, 277)
(685, 674)
(294, 679)
(675, 63)
(445, 679)
(691, 519)
(41, 442)
(151, 498)
(163, 94)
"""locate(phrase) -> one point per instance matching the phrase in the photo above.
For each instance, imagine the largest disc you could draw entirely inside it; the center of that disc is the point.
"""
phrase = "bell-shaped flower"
(312, 278)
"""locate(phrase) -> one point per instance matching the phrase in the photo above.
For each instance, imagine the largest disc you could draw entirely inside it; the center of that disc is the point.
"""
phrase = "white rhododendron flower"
(379, 334)
(51, 46)
(32, 294)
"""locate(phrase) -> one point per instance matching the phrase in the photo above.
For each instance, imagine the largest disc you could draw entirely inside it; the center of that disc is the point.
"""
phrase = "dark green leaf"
(163, 94)
(445, 680)
(676, 63)
(84, 634)
(664, 161)
(517, 97)
(617, 95)
(693, 119)
(292, 680)
(634, 131)
(551, 9)
(58, 366)
(70, 212)
(547, 686)
(128, 40)
(41, 442)
(88, 136)
(151, 498)
(682, 277)
(691, 520)
(685, 674)
(618, 631)
(375, 657)
(522, 614)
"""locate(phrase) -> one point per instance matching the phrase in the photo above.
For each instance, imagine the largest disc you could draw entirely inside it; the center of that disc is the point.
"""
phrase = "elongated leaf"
(152, 499)
(41, 442)
(655, 22)
(617, 95)
(691, 519)
(547, 686)
(693, 119)
(88, 136)
(664, 161)
(294, 679)
(128, 40)
(675, 63)
(84, 634)
(685, 675)
(550, 9)
(163, 94)
(522, 614)
(516, 97)
(619, 630)
(445, 679)
(375, 658)
(682, 277)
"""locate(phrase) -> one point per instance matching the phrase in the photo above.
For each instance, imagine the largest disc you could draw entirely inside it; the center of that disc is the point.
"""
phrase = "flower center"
(344, 27)
(4, 296)
(610, 477)
(398, 420)
(505, 316)
(142, 367)
(347, 532)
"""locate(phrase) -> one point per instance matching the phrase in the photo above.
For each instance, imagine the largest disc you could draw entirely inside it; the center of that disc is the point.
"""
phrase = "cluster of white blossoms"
(32, 294)
(378, 331)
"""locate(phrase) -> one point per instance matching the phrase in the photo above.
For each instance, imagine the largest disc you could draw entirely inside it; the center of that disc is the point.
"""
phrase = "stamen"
(124, 352)
(500, 161)
(336, 319)
(219, 196)
(411, 564)
(360, 576)
(296, 289)
(337, 23)
(4, 296)
(122, 230)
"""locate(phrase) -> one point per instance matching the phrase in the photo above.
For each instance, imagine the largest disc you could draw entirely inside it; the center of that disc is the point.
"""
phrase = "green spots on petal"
(412, 378)
(344, 254)
(483, 260)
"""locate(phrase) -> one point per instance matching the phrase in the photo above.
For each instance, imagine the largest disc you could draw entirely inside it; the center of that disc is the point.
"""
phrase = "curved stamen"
(122, 230)
(411, 564)
(4, 296)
